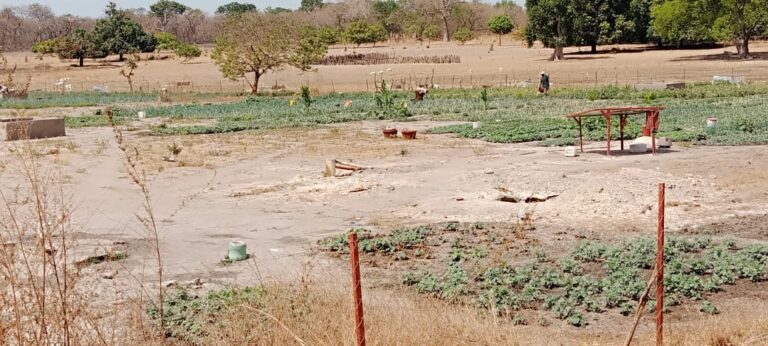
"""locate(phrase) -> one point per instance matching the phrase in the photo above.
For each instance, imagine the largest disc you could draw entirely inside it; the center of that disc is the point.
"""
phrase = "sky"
(95, 8)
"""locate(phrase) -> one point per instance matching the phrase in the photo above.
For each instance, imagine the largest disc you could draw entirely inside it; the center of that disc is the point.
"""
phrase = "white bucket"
(142, 115)
(711, 123)
(475, 125)
(570, 151)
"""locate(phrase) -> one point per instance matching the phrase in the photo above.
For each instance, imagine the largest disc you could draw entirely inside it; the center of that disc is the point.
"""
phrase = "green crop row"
(39, 99)
(598, 277)
(512, 115)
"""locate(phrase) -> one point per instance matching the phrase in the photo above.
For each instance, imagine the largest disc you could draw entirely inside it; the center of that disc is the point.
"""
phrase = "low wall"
(659, 86)
(27, 128)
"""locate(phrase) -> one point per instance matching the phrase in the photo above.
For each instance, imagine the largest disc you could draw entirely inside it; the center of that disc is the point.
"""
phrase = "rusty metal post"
(654, 128)
(357, 292)
(581, 135)
(622, 123)
(660, 271)
(608, 137)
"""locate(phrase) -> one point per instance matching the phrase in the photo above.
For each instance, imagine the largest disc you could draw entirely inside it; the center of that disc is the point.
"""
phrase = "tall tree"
(639, 13)
(551, 22)
(500, 25)
(444, 10)
(741, 21)
(165, 10)
(235, 8)
(117, 34)
(193, 19)
(386, 12)
(685, 21)
(79, 45)
(258, 43)
(360, 32)
(310, 5)
(42, 18)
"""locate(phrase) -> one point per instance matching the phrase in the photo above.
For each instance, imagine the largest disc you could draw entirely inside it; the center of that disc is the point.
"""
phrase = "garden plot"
(502, 269)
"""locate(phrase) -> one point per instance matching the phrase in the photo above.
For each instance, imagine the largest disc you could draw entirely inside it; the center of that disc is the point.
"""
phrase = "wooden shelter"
(650, 128)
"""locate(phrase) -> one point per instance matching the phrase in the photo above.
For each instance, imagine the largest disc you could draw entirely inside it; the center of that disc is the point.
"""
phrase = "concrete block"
(28, 128)
(651, 86)
(728, 79)
(659, 85)
(638, 148)
(661, 142)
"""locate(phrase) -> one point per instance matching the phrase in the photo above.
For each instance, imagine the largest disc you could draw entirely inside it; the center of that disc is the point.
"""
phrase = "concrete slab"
(659, 85)
(28, 128)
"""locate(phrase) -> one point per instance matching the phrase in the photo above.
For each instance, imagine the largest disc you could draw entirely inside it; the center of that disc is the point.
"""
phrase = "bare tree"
(444, 10)
(192, 21)
(41, 18)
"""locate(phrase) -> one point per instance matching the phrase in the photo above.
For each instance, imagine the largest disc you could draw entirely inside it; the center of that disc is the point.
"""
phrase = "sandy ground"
(267, 189)
(504, 65)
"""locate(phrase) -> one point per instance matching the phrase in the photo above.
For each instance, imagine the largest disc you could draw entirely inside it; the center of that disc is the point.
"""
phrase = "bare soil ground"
(505, 65)
(267, 188)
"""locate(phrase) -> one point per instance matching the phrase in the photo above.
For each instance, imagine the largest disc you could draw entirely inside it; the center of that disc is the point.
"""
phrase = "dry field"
(267, 188)
(506, 64)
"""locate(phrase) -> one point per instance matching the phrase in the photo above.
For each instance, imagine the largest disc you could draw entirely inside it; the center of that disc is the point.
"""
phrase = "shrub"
(187, 51)
(166, 41)
(45, 47)
(463, 35)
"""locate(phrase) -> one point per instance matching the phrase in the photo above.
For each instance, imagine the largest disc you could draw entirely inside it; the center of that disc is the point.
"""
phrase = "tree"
(598, 22)
(187, 51)
(470, 15)
(592, 19)
(327, 35)
(165, 10)
(182, 49)
(127, 71)
(462, 35)
(741, 20)
(386, 13)
(431, 32)
(360, 31)
(258, 43)
(79, 45)
(311, 5)
(444, 10)
(683, 21)
(117, 34)
(193, 20)
(45, 47)
(550, 21)
(639, 13)
(165, 41)
(276, 10)
(500, 25)
(235, 8)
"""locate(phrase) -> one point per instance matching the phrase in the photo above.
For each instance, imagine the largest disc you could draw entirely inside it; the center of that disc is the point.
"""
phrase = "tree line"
(23, 26)
(562, 23)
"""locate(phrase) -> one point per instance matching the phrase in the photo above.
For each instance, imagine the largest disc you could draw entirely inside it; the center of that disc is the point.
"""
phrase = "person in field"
(543, 83)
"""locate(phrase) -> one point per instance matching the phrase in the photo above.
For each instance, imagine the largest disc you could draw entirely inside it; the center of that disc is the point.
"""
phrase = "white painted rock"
(661, 142)
(638, 148)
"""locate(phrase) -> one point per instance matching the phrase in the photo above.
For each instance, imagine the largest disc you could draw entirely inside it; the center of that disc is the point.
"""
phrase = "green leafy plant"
(485, 98)
(306, 96)
(388, 106)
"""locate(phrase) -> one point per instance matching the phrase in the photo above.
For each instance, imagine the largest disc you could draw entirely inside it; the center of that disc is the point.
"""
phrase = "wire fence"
(411, 81)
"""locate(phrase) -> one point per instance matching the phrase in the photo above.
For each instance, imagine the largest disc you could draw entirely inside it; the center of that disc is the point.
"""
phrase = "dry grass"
(40, 301)
(315, 313)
